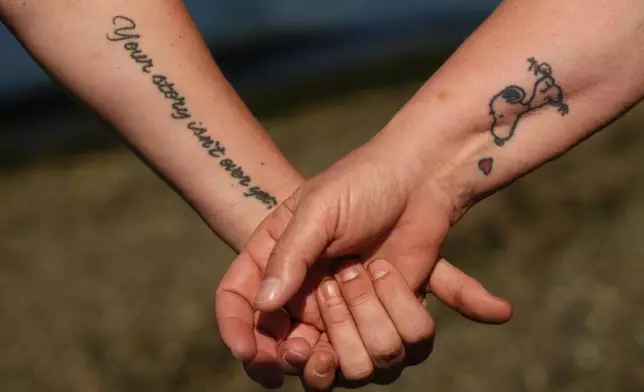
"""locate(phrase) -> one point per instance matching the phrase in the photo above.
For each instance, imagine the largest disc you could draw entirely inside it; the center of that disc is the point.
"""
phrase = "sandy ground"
(106, 276)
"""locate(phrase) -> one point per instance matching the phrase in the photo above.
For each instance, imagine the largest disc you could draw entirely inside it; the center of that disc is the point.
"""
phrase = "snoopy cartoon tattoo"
(512, 103)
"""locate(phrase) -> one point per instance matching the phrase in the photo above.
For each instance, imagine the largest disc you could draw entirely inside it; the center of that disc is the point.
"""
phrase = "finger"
(274, 324)
(343, 333)
(233, 309)
(410, 317)
(412, 246)
(303, 306)
(377, 331)
(467, 296)
(264, 368)
(236, 292)
(320, 370)
(294, 352)
(297, 248)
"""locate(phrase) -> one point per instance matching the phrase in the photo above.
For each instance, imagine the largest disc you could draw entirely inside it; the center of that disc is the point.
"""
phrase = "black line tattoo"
(125, 33)
(125, 30)
(180, 110)
(512, 103)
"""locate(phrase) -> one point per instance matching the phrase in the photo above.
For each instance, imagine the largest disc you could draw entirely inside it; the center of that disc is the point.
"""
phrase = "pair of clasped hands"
(336, 277)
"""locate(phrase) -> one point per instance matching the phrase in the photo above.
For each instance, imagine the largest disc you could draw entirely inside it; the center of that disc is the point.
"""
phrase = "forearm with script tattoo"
(125, 30)
(144, 67)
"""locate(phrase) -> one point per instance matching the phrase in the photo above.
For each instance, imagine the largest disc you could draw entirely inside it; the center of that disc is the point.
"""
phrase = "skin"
(111, 55)
(360, 314)
(380, 209)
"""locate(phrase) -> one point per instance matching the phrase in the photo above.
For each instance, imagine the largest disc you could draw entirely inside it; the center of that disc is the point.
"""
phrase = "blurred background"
(107, 277)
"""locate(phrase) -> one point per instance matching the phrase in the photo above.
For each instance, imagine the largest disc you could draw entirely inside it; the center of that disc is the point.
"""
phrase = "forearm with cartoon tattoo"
(520, 92)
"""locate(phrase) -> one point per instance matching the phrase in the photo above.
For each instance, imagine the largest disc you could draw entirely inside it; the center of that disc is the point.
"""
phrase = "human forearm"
(395, 198)
(144, 67)
(468, 137)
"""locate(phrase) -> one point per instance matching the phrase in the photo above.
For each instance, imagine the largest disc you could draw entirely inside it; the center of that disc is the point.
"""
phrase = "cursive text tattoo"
(508, 107)
(124, 30)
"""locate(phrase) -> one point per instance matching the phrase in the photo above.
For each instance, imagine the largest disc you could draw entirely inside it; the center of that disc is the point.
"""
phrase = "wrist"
(235, 222)
(434, 151)
(471, 145)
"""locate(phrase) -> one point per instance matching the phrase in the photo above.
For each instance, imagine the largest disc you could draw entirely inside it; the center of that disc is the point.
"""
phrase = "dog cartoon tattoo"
(512, 103)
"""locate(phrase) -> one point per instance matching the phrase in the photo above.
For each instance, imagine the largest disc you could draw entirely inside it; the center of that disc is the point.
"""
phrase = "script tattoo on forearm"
(508, 107)
(125, 31)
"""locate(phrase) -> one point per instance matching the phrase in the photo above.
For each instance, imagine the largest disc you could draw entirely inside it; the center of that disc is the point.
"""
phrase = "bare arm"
(533, 81)
(145, 68)
(536, 79)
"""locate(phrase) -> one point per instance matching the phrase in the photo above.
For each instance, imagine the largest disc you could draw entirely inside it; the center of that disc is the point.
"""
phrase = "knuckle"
(359, 298)
(388, 356)
(420, 331)
(358, 372)
(337, 315)
(337, 321)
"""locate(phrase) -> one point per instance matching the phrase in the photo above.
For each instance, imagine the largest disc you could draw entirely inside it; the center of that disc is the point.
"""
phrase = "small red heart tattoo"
(485, 165)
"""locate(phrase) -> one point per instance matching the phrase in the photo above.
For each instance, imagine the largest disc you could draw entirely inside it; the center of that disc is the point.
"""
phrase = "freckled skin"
(443, 95)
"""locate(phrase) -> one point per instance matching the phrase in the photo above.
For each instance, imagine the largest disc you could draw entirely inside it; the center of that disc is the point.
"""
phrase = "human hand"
(379, 203)
(269, 349)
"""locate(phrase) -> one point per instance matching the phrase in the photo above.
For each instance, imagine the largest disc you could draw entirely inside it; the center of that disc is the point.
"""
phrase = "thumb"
(297, 248)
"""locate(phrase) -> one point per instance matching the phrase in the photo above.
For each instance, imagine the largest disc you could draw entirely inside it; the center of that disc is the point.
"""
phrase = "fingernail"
(331, 292)
(321, 369)
(379, 268)
(294, 359)
(269, 290)
(347, 273)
